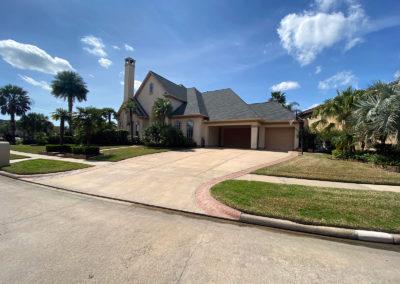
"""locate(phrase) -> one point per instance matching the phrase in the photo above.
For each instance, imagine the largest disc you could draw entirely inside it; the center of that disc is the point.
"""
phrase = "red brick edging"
(212, 207)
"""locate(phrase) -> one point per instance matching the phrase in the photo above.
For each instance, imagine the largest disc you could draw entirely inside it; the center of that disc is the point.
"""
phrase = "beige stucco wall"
(198, 131)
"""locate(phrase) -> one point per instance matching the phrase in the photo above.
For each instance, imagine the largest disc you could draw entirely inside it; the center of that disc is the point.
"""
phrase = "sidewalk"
(320, 183)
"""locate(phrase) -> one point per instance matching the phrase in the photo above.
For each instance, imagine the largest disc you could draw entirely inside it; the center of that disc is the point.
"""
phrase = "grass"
(28, 148)
(321, 167)
(358, 209)
(126, 153)
(42, 166)
(16, 157)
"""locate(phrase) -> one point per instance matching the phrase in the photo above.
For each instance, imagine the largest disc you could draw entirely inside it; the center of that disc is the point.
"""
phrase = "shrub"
(86, 150)
(158, 135)
(28, 141)
(58, 148)
(40, 138)
(55, 139)
(108, 137)
(339, 154)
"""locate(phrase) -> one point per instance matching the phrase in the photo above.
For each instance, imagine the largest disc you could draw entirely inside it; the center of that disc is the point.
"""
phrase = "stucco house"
(213, 118)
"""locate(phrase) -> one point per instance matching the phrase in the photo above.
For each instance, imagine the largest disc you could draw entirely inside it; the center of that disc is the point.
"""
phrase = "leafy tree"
(62, 115)
(131, 108)
(69, 86)
(88, 121)
(14, 101)
(33, 123)
(280, 98)
(162, 109)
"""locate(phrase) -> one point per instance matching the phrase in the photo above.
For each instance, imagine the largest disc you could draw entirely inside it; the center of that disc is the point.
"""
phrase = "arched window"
(189, 129)
(178, 125)
(137, 128)
(151, 88)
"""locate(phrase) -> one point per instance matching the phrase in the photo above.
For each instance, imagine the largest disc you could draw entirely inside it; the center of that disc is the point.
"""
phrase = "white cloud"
(95, 45)
(42, 84)
(115, 47)
(128, 47)
(31, 57)
(285, 86)
(91, 75)
(307, 34)
(397, 75)
(105, 62)
(340, 79)
(318, 69)
(136, 84)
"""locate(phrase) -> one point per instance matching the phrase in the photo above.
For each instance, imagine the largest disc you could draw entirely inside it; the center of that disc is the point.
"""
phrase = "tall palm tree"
(14, 101)
(279, 97)
(62, 115)
(88, 120)
(108, 112)
(162, 109)
(131, 108)
(69, 86)
(33, 123)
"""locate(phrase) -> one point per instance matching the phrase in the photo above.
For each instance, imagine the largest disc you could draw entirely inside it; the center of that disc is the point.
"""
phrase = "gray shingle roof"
(272, 111)
(225, 104)
(194, 104)
(177, 91)
(141, 110)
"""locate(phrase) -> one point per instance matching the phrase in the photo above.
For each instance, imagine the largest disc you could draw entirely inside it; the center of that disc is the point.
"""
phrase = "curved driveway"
(168, 179)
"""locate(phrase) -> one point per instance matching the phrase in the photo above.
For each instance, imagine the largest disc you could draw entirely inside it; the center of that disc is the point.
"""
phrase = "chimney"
(129, 78)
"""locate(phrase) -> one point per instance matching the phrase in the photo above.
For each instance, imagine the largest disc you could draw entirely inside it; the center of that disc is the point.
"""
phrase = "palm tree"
(280, 98)
(69, 86)
(88, 120)
(108, 112)
(131, 108)
(62, 115)
(14, 101)
(162, 109)
(33, 123)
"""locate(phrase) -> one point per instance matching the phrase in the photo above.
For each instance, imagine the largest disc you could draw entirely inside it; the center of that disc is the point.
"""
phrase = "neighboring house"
(214, 118)
(309, 118)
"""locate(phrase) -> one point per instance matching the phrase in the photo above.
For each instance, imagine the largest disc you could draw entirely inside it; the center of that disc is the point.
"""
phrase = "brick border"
(212, 207)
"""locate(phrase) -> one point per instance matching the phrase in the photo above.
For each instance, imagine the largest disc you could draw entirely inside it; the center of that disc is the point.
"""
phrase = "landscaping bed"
(42, 166)
(322, 167)
(126, 153)
(346, 208)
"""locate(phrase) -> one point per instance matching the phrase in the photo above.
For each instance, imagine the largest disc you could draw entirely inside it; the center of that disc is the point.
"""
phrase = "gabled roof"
(272, 111)
(177, 91)
(225, 104)
(194, 104)
(140, 109)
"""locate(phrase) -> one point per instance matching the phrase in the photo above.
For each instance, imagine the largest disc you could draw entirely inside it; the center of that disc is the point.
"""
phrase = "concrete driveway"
(168, 179)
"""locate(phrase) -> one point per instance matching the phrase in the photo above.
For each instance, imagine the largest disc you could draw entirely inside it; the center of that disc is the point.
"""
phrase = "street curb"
(361, 235)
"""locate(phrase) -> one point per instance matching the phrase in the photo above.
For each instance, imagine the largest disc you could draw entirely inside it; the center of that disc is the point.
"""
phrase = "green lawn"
(42, 166)
(28, 148)
(359, 209)
(321, 167)
(16, 157)
(126, 153)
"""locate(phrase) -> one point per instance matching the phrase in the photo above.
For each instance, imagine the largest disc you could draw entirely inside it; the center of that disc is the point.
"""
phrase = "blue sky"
(307, 49)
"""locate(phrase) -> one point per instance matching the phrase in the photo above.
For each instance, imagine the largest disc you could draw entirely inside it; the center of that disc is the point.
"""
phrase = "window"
(178, 125)
(189, 129)
(137, 128)
(151, 88)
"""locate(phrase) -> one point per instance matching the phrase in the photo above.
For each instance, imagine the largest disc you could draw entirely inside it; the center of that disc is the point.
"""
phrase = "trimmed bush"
(86, 150)
(158, 135)
(58, 148)
(56, 139)
(108, 137)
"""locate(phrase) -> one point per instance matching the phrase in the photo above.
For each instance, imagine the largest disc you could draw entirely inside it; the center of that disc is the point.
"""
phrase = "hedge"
(86, 150)
(58, 148)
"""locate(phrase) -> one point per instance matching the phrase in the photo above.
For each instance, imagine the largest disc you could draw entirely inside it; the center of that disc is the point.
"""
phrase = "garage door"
(237, 137)
(279, 138)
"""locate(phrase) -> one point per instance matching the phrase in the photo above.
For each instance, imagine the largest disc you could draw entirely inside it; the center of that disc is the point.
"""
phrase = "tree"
(88, 121)
(280, 98)
(14, 101)
(162, 109)
(62, 115)
(108, 113)
(131, 108)
(33, 123)
(377, 114)
(69, 86)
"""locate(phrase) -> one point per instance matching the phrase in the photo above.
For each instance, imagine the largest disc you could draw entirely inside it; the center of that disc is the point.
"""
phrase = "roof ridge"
(217, 90)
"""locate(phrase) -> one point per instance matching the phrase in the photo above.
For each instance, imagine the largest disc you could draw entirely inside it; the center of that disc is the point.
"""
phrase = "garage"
(236, 137)
(279, 138)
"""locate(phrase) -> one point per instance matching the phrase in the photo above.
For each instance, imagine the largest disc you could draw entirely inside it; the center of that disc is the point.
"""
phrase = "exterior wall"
(198, 131)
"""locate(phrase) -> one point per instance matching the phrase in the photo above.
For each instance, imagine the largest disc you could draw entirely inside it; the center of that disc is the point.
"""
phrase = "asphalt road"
(48, 236)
